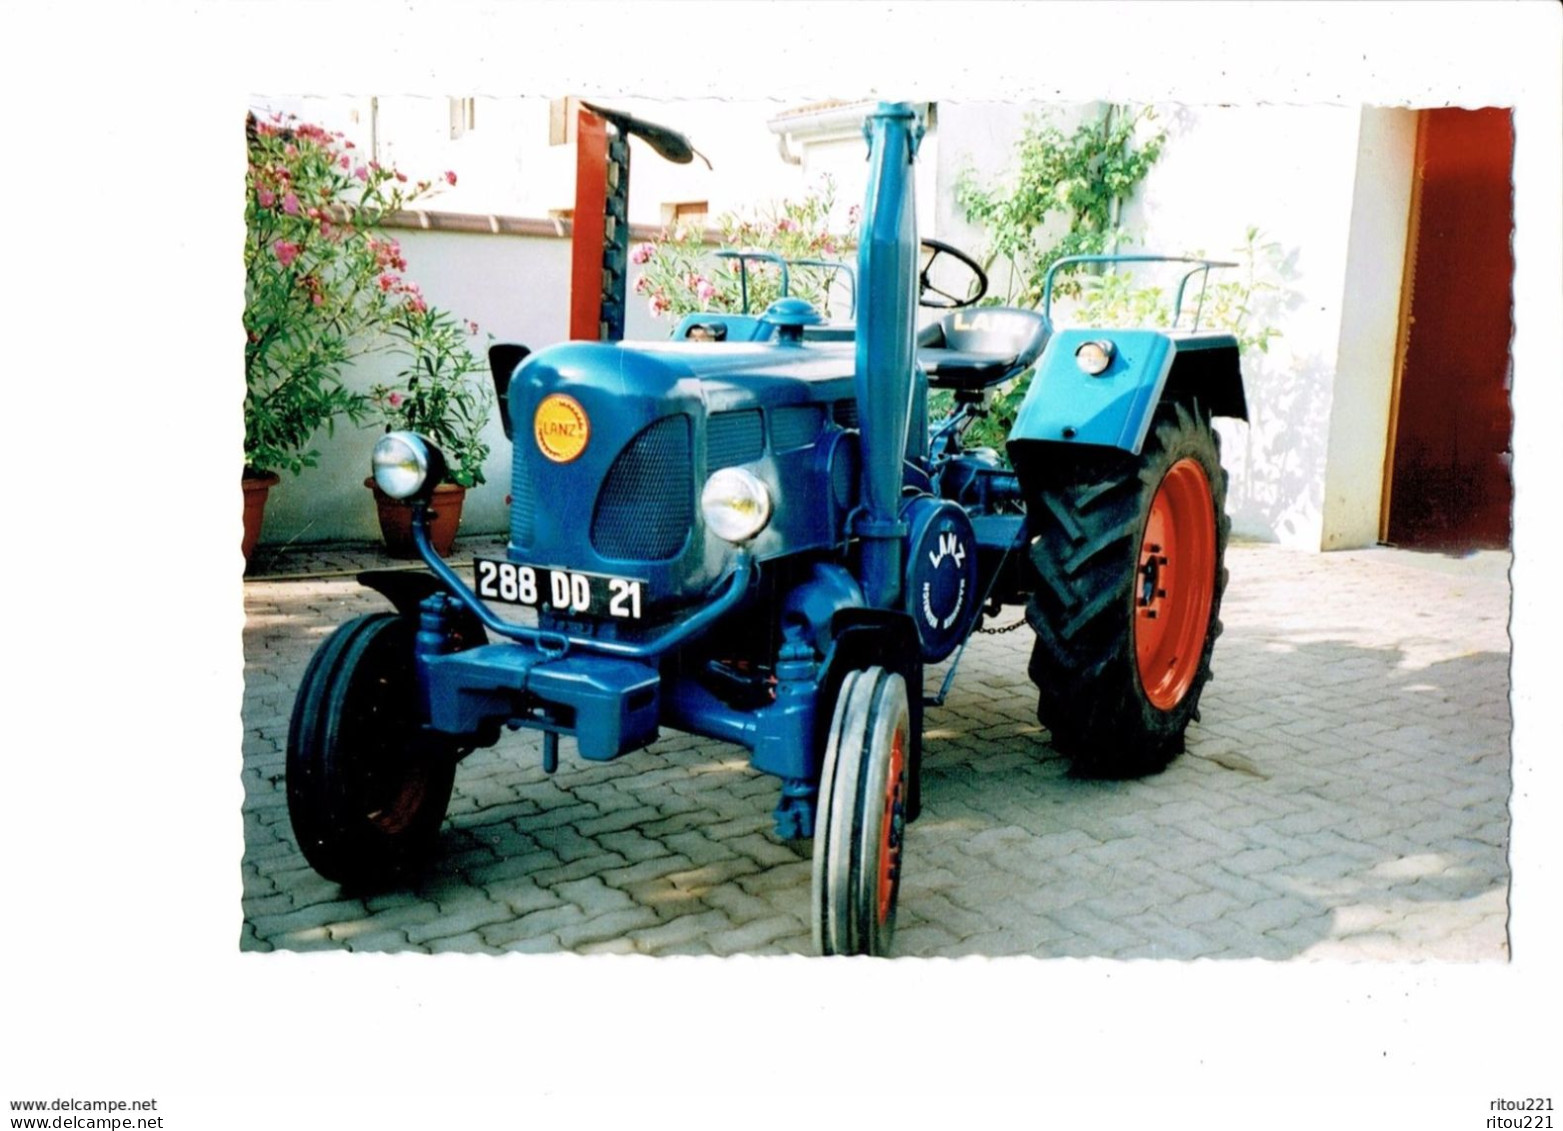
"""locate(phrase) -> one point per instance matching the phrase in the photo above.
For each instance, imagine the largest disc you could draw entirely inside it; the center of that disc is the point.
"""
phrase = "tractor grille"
(523, 504)
(646, 506)
(733, 438)
(796, 426)
(846, 413)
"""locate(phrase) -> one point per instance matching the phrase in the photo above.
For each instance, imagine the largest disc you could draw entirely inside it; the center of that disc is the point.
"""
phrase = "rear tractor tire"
(1129, 555)
(367, 782)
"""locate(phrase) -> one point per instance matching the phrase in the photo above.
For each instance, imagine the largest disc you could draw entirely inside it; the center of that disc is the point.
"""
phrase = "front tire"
(863, 813)
(1129, 556)
(368, 784)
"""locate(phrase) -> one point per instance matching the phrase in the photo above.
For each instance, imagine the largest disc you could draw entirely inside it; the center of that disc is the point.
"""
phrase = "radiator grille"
(523, 503)
(733, 438)
(846, 413)
(796, 426)
(646, 506)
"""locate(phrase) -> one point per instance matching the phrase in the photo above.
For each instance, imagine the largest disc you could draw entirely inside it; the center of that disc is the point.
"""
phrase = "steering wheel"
(956, 272)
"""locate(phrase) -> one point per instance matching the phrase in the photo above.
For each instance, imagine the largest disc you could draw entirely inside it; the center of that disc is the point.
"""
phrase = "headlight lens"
(402, 462)
(735, 504)
(1093, 358)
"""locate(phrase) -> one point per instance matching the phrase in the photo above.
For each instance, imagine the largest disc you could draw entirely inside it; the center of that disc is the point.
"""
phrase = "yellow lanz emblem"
(561, 428)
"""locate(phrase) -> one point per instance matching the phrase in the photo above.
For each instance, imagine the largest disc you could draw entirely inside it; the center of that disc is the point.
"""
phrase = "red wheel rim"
(893, 824)
(1175, 585)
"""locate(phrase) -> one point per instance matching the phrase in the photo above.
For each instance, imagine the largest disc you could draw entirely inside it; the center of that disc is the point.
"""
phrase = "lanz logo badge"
(561, 428)
(982, 320)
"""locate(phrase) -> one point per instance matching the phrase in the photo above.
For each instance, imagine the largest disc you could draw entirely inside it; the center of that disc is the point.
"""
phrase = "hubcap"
(893, 826)
(1176, 584)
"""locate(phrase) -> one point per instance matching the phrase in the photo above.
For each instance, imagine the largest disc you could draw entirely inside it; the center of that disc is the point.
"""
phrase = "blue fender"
(1114, 409)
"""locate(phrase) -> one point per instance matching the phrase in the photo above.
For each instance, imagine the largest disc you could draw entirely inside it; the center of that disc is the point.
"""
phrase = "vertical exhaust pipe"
(885, 344)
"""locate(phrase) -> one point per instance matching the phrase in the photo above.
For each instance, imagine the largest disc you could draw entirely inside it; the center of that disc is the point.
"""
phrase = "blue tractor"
(753, 532)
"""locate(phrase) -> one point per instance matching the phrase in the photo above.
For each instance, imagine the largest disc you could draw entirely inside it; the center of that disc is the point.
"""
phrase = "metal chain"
(1002, 629)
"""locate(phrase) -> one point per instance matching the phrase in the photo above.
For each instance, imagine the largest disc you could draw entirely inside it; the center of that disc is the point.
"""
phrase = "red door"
(1450, 486)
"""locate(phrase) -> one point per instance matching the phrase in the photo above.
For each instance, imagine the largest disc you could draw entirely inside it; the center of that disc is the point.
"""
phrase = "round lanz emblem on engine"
(941, 575)
(561, 427)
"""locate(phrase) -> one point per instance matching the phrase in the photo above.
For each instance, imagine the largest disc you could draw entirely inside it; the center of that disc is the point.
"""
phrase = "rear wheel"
(863, 813)
(367, 783)
(1129, 560)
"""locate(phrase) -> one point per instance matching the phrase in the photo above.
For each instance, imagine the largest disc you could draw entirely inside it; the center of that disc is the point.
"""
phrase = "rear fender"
(1114, 410)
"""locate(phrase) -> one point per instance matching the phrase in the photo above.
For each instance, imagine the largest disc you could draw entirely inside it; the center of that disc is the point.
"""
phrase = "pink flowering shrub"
(324, 287)
(432, 394)
(679, 275)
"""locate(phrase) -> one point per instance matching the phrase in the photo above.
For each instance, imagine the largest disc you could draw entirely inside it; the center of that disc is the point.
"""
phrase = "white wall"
(1293, 172)
(1370, 320)
(517, 289)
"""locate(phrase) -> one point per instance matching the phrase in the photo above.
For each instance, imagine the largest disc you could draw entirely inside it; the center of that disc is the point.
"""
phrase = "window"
(689, 213)
(463, 116)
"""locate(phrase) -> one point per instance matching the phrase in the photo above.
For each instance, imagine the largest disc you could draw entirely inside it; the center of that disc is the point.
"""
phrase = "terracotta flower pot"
(256, 488)
(396, 520)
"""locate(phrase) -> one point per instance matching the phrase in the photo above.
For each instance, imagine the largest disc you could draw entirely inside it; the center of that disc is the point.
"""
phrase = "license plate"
(564, 591)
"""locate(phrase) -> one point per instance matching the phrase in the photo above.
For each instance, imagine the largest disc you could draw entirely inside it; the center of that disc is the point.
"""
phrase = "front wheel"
(863, 814)
(367, 782)
(1129, 556)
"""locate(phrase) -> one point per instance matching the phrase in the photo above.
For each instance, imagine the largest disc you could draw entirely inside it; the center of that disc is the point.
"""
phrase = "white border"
(122, 976)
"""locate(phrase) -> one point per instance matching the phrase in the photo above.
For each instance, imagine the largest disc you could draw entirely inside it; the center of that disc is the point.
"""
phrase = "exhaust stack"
(886, 338)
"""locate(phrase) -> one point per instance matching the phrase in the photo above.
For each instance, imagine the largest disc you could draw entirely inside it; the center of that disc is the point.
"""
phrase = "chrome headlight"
(1094, 357)
(735, 504)
(404, 464)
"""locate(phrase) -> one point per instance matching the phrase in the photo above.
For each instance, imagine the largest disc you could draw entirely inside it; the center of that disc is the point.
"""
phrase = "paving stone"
(742, 908)
(548, 921)
(386, 941)
(470, 918)
(633, 845)
(617, 820)
(395, 918)
(522, 865)
(540, 944)
(699, 847)
(593, 896)
(710, 875)
(609, 946)
(655, 869)
(305, 918)
(579, 869)
(796, 876)
(768, 852)
(752, 935)
(923, 940)
(680, 931)
(1166, 940)
(613, 925)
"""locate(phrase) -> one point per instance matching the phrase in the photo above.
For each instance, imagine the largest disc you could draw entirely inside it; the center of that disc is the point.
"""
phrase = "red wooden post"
(587, 227)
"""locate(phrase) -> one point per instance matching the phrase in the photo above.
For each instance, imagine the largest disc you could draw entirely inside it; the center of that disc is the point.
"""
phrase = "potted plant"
(435, 395)
(314, 299)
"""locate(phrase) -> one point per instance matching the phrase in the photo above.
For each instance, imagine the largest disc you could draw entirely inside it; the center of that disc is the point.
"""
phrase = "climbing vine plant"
(1077, 182)
(1064, 197)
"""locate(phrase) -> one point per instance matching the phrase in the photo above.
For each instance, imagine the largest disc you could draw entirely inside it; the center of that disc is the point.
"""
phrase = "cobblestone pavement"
(1344, 797)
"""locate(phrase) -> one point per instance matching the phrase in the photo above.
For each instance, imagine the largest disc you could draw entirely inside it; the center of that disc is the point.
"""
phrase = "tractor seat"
(977, 349)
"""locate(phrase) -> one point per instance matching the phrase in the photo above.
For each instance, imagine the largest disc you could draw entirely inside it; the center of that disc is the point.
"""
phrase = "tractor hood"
(613, 443)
